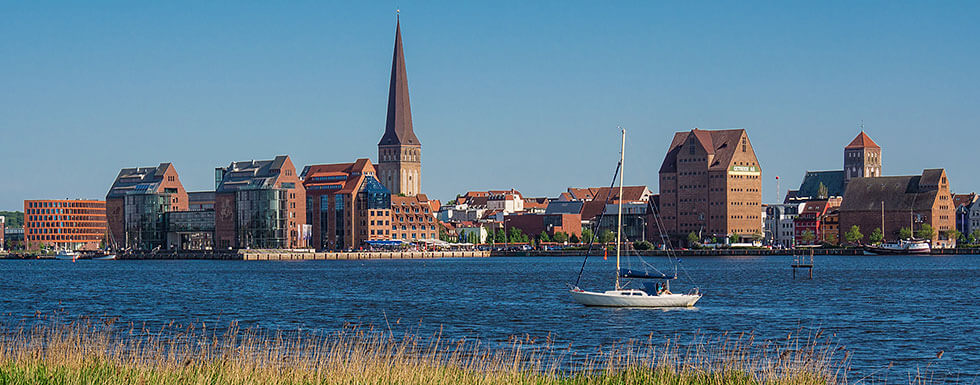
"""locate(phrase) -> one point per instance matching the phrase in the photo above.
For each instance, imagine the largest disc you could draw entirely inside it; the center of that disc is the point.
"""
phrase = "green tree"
(925, 231)
(574, 239)
(561, 237)
(516, 235)
(587, 235)
(822, 192)
(974, 237)
(808, 237)
(642, 245)
(954, 234)
(543, 237)
(830, 238)
(607, 236)
(876, 236)
(733, 238)
(854, 236)
(499, 236)
(757, 236)
(693, 239)
(14, 219)
(905, 233)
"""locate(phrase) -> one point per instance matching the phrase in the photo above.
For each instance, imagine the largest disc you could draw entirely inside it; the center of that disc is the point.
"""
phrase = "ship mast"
(619, 215)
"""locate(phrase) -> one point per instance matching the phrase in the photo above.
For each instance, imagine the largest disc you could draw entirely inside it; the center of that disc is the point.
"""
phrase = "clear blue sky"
(504, 93)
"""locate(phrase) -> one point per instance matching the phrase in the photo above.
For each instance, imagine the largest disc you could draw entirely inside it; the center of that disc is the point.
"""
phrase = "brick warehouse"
(346, 205)
(65, 224)
(710, 183)
(900, 201)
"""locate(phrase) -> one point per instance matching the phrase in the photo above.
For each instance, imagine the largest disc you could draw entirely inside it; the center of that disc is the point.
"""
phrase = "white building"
(778, 226)
(506, 201)
(464, 233)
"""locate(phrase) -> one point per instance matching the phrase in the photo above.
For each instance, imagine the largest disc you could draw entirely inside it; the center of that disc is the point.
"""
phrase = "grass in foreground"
(87, 353)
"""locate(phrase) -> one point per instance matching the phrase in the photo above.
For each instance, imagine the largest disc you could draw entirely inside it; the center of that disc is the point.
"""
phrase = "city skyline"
(492, 100)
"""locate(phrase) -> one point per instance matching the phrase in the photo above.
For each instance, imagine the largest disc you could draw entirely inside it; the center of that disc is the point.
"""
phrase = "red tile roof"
(862, 141)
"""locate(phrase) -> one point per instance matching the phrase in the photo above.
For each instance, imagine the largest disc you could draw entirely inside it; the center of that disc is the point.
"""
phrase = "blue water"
(899, 310)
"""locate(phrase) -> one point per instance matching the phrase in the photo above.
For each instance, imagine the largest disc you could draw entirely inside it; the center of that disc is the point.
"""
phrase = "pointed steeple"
(398, 129)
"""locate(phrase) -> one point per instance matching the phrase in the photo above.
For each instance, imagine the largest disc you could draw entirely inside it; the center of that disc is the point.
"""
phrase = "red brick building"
(412, 218)
(65, 224)
(710, 183)
(260, 204)
(900, 202)
(812, 219)
(137, 202)
(534, 224)
(346, 205)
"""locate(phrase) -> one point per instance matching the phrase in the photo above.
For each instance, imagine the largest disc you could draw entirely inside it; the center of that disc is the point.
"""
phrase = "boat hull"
(618, 299)
(899, 250)
(105, 258)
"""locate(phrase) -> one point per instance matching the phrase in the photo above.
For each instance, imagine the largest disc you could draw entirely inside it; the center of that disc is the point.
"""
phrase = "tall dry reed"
(99, 352)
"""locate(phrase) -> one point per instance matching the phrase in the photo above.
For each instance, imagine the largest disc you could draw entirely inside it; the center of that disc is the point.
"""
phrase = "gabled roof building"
(710, 184)
(136, 205)
(346, 205)
(895, 202)
(260, 204)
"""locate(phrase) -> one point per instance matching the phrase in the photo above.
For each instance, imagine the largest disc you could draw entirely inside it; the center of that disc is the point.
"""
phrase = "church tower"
(399, 151)
(862, 158)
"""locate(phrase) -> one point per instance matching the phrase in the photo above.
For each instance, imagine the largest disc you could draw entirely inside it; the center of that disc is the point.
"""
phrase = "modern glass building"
(346, 205)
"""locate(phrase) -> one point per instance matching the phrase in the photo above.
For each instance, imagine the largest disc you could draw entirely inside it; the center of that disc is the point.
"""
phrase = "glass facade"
(373, 195)
(340, 224)
(261, 217)
(144, 221)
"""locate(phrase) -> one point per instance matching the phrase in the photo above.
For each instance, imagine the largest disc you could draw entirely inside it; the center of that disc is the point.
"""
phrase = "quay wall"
(718, 252)
(288, 255)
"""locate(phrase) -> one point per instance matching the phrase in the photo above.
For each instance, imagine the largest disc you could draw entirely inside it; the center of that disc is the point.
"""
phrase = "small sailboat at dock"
(656, 295)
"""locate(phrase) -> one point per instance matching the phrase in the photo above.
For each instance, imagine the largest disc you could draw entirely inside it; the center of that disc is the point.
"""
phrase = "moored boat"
(66, 255)
(900, 247)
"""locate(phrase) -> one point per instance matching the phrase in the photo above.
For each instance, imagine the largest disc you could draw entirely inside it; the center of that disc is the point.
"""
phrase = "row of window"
(38, 205)
(77, 238)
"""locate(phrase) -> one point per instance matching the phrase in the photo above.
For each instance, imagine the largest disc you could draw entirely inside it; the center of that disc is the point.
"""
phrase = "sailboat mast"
(619, 215)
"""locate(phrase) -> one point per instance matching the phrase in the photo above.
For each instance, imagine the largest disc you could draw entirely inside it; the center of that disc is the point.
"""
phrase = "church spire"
(398, 128)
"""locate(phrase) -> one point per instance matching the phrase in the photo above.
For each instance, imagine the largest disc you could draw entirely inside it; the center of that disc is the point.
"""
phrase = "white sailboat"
(66, 255)
(620, 296)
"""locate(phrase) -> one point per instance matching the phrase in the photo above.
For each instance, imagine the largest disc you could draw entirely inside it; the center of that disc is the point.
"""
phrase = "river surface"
(901, 310)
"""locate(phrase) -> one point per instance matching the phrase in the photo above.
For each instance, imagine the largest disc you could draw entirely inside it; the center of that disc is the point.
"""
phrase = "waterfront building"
(399, 151)
(412, 218)
(260, 204)
(136, 203)
(534, 224)
(13, 238)
(963, 203)
(862, 159)
(710, 183)
(346, 205)
(812, 219)
(779, 223)
(900, 202)
(65, 224)
(973, 221)
(578, 194)
(830, 227)
(471, 232)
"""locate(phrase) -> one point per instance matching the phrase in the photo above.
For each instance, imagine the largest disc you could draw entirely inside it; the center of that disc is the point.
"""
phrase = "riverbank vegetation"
(101, 353)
